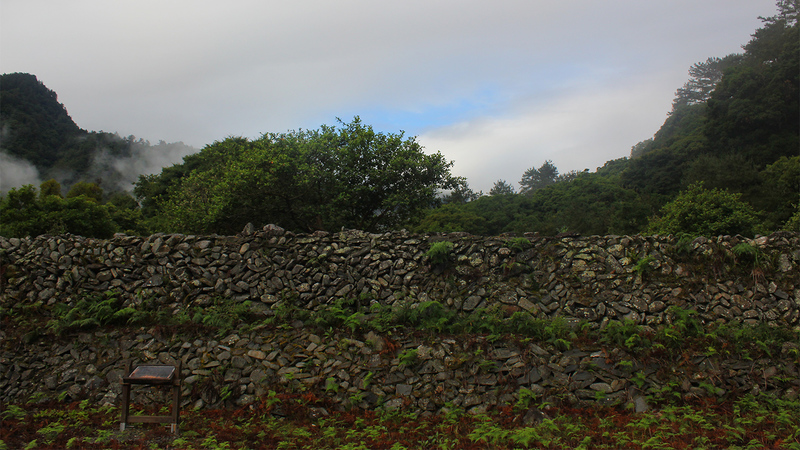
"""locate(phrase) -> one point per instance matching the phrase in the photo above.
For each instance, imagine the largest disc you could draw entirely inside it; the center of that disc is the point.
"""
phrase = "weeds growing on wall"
(439, 253)
(682, 329)
(519, 244)
(95, 310)
(222, 314)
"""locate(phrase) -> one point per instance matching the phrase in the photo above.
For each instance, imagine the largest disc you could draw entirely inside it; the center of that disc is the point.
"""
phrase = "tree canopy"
(23, 213)
(702, 212)
(534, 179)
(347, 176)
(501, 187)
(587, 204)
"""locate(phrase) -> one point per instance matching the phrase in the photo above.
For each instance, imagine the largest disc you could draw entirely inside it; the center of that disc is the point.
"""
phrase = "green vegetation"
(287, 421)
(587, 204)
(702, 212)
(683, 329)
(92, 311)
(348, 176)
(24, 213)
(439, 253)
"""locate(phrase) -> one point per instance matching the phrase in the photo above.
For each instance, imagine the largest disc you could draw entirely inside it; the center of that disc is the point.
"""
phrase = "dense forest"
(725, 161)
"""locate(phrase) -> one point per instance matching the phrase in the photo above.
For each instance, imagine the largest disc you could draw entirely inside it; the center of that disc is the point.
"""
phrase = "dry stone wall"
(593, 279)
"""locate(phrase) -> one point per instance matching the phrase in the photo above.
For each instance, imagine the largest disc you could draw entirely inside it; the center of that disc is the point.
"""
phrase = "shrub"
(702, 212)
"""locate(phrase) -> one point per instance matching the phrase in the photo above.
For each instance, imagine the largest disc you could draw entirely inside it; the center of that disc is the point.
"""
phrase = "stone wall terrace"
(595, 279)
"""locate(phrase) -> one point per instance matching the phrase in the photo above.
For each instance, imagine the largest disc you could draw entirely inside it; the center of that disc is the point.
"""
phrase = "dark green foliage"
(50, 187)
(222, 314)
(624, 334)
(435, 317)
(92, 311)
(755, 109)
(793, 224)
(453, 217)
(704, 77)
(501, 187)
(751, 119)
(23, 213)
(780, 193)
(91, 191)
(613, 168)
(488, 215)
(519, 244)
(684, 325)
(341, 313)
(589, 204)
(731, 172)
(123, 200)
(439, 253)
(702, 212)
(660, 168)
(35, 126)
(751, 257)
(643, 267)
(534, 179)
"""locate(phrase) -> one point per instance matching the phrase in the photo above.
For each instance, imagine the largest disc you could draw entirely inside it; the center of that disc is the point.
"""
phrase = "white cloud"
(15, 172)
(578, 130)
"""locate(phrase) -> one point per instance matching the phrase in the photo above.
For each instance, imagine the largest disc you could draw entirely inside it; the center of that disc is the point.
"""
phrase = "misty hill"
(734, 127)
(40, 141)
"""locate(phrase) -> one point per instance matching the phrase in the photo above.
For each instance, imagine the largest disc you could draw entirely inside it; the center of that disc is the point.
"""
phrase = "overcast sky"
(497, 87)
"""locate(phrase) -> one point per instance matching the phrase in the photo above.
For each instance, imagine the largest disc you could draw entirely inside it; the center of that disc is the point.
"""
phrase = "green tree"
(122, 200)
(501, 187)
(534, 179)
(703, 212)
(659, 169)
(733, 172)
(347, 176)
(755, 109)
(780, 196)
(704, 77)
(91, 191)
(50, 187)
(22, 214)
(641, 148)
(454, 217)
(461, 194)
(590, 204)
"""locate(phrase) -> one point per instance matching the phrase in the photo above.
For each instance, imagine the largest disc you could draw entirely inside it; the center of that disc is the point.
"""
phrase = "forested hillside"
(37, 129)
(725, 161)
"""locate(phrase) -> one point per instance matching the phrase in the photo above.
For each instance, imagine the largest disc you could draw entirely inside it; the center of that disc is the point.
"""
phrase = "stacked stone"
(373, 370)
(596, 279)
